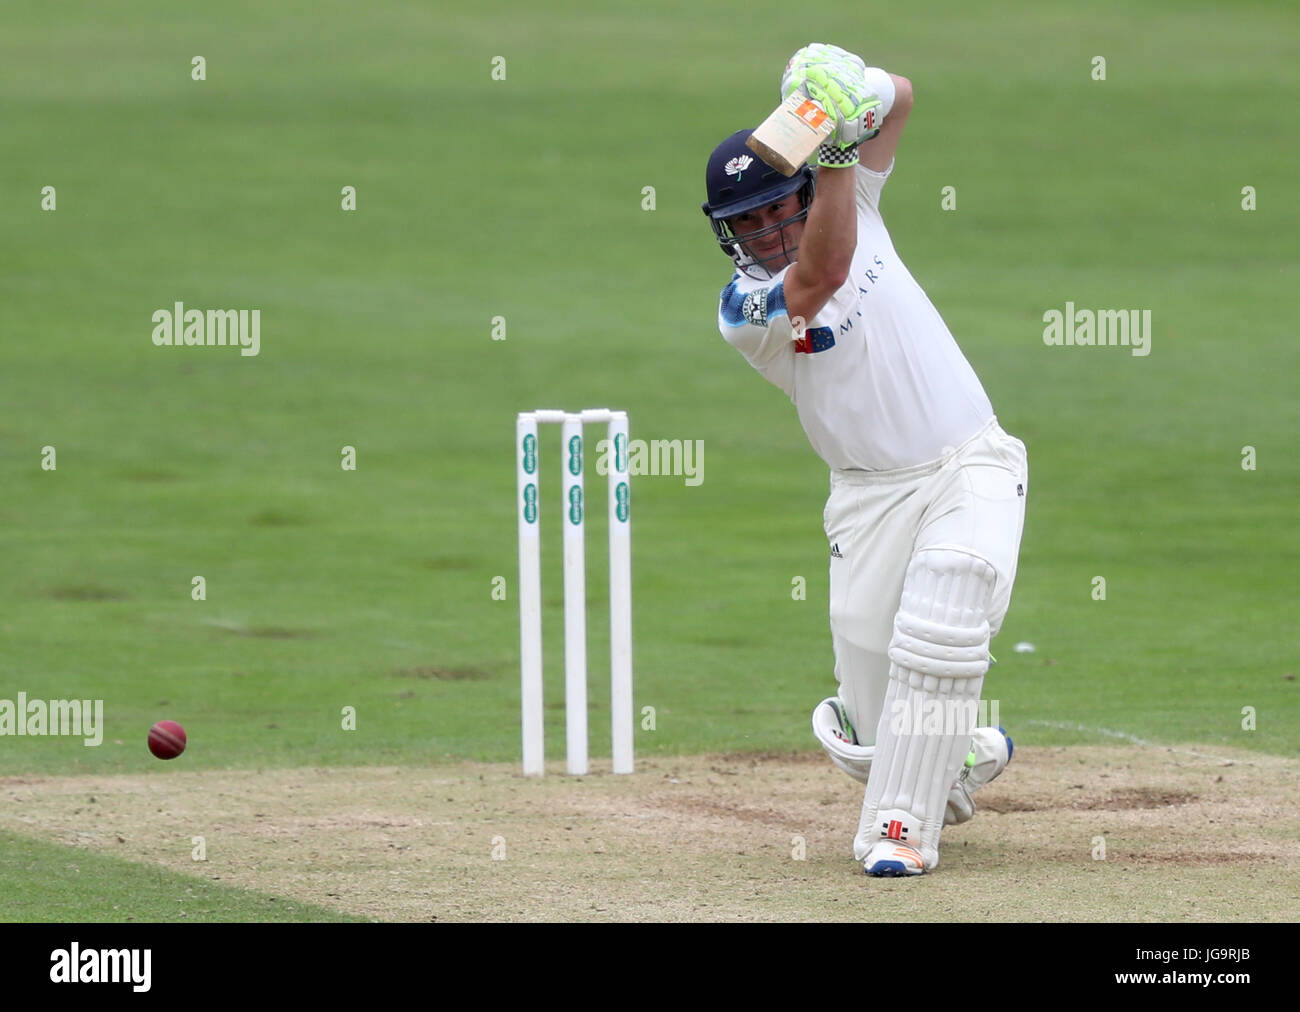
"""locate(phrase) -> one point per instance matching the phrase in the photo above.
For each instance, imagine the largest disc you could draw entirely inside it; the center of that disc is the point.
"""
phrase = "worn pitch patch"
(1086, 833)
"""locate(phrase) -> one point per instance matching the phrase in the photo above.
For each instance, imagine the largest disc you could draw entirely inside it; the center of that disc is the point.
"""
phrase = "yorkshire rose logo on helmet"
(738, 165)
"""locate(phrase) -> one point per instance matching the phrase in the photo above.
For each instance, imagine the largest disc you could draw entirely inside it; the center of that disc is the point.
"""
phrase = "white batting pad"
(938, 658)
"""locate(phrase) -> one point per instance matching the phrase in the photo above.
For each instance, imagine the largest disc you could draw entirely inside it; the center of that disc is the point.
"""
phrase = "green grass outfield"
(522, 198)
(47, 882)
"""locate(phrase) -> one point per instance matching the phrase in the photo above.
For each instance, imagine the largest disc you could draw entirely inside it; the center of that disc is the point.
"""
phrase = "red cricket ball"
(167, 739)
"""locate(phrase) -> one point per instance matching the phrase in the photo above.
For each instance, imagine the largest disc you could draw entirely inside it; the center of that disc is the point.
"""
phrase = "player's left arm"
(877, 153)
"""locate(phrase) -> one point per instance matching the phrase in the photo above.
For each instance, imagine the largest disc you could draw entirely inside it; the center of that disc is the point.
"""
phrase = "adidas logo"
(835, 551)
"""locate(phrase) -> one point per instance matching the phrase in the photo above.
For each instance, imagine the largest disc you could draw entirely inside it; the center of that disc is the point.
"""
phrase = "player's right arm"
(831, 230)
(830, 236)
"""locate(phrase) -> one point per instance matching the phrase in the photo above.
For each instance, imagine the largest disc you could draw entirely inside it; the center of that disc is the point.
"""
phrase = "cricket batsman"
(927, 492)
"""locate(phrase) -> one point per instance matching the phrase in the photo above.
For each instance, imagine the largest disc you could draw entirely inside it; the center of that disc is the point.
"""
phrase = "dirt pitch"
(1187, 836)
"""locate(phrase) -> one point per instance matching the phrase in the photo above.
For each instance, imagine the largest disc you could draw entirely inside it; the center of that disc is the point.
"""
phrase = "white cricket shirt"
(878, 379)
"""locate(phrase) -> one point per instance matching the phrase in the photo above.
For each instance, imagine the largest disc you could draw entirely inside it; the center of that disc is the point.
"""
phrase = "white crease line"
(1134, 739)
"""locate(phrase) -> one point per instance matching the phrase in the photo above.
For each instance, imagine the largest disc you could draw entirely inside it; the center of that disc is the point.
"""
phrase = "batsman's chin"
(773, 260)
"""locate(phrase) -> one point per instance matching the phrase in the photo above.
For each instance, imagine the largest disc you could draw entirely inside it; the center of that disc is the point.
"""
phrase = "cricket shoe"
(990, 751)
(891, 859)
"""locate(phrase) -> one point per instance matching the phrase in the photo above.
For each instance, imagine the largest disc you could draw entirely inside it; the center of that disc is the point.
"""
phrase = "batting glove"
(824, 56)
(841, 90)
(817, 54)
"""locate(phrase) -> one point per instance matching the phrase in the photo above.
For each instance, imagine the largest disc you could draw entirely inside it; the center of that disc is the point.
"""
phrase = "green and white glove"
(836, 80)
(818, 54)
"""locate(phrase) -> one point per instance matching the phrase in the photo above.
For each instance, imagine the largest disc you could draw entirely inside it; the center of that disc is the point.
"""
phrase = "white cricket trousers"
(972, 498)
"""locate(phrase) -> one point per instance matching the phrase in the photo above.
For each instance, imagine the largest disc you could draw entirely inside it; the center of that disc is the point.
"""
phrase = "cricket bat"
(787, 138)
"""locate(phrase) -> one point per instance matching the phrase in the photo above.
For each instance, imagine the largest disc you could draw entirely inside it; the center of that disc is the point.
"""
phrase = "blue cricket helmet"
(737, 180)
